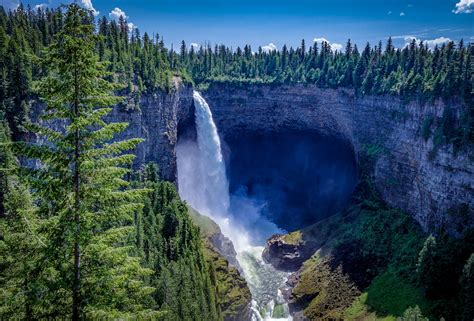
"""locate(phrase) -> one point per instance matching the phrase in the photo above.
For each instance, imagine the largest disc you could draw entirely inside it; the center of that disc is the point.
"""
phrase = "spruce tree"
(20, 240)
(79, 185)
(427, 265)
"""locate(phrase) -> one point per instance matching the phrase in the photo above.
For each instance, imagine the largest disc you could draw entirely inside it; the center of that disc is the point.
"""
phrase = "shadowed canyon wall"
(387, 129)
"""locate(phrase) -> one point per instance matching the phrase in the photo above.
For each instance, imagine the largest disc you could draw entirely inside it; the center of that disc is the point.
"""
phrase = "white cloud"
(402, 14)
(438, 41)
(430, 42)
(117, 13)
(269, 47)
(41, 6)
(194, 45)
(320, 40)
(10, 4)
(86, 4)
(334, 46)
(464, 6)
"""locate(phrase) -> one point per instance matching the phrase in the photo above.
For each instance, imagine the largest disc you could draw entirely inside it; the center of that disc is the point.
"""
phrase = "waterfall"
(203, 183)
(215, 187)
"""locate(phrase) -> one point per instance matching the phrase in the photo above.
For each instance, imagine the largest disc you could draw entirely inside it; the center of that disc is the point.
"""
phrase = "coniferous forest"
(86, 235)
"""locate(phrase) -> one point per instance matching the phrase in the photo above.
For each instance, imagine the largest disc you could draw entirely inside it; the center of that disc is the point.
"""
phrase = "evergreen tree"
(427, 264)
(171, 246)
(79, 187)
(20, 241)
(413, 314)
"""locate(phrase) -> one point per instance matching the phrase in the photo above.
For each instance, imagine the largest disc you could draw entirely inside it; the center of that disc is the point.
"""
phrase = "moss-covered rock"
(232, 290)
(322, 292)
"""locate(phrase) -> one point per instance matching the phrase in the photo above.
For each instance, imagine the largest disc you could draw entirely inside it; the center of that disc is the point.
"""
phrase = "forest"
(84, 235)
(142, 63)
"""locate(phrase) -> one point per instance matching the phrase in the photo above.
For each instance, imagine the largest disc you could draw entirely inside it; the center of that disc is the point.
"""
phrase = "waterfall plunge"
(204, 185)
(202, 178)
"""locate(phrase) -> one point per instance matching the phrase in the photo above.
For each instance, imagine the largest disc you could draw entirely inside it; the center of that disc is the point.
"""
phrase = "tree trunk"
(76, 290)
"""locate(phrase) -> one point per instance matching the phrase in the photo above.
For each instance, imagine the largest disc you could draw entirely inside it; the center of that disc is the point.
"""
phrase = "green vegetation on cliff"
(170, 245)
(389, 259)
(232, 290)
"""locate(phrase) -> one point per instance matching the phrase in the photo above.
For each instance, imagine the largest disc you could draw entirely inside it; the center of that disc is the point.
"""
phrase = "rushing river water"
(203, 183)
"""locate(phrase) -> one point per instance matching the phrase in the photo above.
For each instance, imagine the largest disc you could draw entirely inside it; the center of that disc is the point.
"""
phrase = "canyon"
(383, 132)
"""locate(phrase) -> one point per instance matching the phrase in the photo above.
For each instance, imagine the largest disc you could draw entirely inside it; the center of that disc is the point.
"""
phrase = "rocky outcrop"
(385, 128)
(212, 233)
(319, 292)
(287, 256)
(233, 292)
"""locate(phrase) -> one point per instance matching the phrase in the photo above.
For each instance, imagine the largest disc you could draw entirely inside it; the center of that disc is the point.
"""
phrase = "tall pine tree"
(79, 185)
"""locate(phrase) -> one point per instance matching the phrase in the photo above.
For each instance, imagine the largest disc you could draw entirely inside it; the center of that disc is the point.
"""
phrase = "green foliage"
(84, 267)
(443, 264)
(232, 290)
(170, 245)
(20, 239)
(412, 72)
(388, 257)
(426, 266)
(412, 314)
(136, 61)
(142, 64)
(391, 294)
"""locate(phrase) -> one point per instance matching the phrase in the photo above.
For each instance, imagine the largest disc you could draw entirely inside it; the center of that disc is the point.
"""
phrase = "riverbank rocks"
(287, 255)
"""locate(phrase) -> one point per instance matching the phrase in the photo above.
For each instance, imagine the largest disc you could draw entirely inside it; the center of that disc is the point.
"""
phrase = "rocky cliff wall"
(431, 189)
(157, 121)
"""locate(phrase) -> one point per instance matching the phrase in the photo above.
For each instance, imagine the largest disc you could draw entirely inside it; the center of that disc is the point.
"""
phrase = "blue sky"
(261, 22)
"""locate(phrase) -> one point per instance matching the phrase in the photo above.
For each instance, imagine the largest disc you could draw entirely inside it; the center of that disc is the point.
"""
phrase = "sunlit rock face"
(156, 121)
(300, 176)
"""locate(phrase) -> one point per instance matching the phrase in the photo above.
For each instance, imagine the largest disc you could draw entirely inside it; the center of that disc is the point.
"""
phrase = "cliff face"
(157, 122)
(432, 190)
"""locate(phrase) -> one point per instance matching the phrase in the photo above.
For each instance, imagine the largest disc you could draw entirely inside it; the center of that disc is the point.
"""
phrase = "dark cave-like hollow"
(302, 177)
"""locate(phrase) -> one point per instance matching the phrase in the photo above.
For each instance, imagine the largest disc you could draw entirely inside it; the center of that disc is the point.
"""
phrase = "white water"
(204, 185)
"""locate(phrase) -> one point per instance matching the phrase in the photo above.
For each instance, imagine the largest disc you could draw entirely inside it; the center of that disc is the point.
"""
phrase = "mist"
(203, 183)
(276, 182)
(241, 220)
